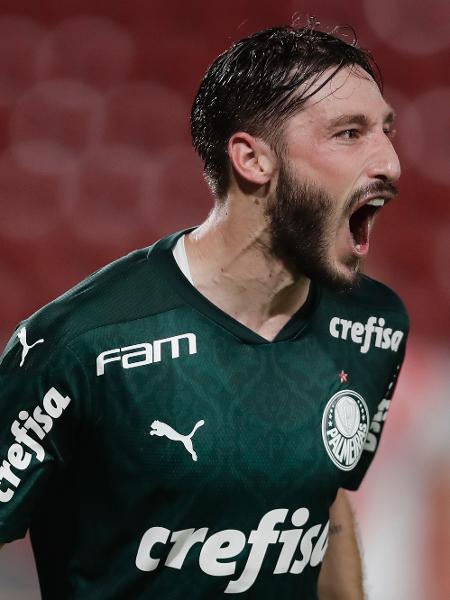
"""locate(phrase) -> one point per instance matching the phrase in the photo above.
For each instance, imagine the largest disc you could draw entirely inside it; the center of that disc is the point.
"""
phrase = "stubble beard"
(302, 232)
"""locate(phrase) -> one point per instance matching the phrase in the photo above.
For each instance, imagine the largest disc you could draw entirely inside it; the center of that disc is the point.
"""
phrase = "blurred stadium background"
(95, 160)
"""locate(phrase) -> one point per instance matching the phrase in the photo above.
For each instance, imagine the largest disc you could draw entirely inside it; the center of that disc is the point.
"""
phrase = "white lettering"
(333, 327)
(368, 335)
(107, 357)
(230, 543)
(30, 423)
(153, 536)
(144, 350)
(6, 473)
(18, 458)
(147, 352)
(346, 325)
(175, 345)
(356, 332)
(184, 540)
(306, 549)
(221, 545)
(43, 419)
(397, 337)
(346, 450)
(260, 540)
(5, 496)
(379, 332)
(320, 547)
(385, 338)
(290, 540)
(21, 436)
(54, 404)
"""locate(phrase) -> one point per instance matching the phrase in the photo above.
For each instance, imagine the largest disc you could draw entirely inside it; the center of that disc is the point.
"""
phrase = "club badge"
(344, 428)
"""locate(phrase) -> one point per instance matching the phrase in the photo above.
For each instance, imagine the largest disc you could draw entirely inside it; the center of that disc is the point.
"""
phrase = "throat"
(250, 287)
(254, 312)
(270, 328)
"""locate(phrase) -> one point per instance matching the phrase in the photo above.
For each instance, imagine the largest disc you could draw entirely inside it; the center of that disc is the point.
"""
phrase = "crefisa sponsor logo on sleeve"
(34, 427)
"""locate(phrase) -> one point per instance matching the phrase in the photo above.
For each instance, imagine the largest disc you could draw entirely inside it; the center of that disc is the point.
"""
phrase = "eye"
(390, 132)
(348, 134)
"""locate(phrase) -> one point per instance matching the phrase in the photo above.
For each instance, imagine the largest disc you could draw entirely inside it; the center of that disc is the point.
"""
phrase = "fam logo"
(146, 353)
(344, 428)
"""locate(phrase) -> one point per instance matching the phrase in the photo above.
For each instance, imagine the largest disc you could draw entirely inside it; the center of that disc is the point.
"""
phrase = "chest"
(251, 415)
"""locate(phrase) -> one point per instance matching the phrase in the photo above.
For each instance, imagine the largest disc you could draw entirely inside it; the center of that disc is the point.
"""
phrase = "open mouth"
(360, 223)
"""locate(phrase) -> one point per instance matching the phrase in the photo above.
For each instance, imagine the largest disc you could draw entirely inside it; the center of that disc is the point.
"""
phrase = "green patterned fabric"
(157, 448)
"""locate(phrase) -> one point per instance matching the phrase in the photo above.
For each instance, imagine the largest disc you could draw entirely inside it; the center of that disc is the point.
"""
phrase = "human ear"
(251, 158)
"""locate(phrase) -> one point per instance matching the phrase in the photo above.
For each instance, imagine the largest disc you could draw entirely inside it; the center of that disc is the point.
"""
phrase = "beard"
(303, 232)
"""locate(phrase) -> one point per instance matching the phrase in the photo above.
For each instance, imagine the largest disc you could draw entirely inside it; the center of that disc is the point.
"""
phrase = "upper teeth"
(376, 202)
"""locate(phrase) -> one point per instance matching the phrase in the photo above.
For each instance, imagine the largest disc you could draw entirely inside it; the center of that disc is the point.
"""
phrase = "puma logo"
(22, 335)
(162, 429)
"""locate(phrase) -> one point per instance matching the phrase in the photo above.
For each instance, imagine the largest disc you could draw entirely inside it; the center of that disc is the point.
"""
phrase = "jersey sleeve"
(376, 425)
(40, 420)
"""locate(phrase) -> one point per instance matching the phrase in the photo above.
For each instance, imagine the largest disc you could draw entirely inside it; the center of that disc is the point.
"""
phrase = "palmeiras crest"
(345, 425)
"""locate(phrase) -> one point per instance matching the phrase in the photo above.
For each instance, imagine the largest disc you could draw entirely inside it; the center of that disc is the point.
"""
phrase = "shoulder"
(368, 295)
(127, 289)
(370, 315)
(376, 295)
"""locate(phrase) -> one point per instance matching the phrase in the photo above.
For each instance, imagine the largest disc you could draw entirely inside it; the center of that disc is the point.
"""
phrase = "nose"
(384, 163)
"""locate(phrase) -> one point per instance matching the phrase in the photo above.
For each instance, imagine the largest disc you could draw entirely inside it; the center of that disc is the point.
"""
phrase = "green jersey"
(157, 448)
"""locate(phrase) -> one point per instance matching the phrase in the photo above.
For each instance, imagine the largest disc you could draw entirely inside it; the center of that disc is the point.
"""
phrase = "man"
(193, 413)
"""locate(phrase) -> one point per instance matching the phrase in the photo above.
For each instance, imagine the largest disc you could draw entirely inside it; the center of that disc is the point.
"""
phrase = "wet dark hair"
(251, 87)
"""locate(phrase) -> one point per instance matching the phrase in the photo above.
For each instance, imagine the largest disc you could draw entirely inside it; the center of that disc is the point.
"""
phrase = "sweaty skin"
(341, 573)
(341, 141)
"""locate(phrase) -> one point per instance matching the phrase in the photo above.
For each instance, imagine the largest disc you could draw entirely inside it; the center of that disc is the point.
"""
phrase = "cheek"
(328, 169)
(338, 182)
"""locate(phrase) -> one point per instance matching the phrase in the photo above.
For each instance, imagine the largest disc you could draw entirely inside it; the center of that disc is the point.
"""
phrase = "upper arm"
(40, 408)
(341, 513)
(341, 574)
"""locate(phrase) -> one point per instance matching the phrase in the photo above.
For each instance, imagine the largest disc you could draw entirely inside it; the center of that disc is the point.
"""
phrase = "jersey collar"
(161, 252)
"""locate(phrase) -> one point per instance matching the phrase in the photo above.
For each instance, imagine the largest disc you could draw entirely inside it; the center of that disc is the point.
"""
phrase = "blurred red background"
(95, 160)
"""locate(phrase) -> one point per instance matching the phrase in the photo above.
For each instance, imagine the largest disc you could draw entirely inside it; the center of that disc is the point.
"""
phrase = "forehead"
(351, 91)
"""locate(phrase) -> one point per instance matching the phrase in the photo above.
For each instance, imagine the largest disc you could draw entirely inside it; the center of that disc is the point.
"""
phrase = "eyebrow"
(358, 119)
(390, 117)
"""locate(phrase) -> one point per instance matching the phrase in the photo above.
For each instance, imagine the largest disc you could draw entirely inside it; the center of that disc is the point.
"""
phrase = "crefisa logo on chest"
(344, 428)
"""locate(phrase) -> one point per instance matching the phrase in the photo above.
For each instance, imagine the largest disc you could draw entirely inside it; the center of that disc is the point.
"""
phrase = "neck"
(232, 265)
